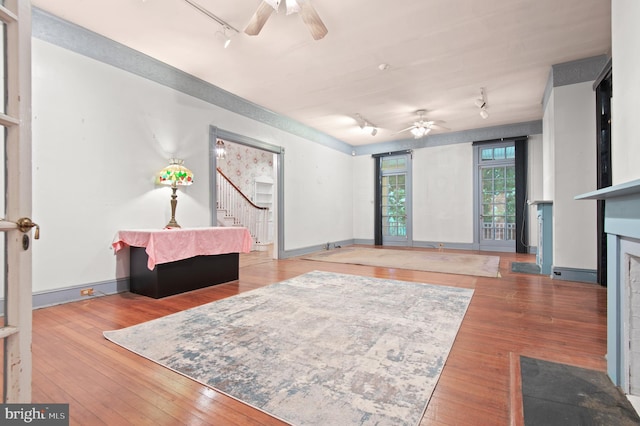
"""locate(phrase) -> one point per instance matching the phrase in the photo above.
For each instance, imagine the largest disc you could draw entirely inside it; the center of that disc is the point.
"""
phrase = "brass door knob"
(25, 224)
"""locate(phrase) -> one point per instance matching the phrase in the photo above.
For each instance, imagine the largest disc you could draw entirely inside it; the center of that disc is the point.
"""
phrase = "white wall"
(318, 197)
(443, 194)
(548, 149)
(363, 197)
(535, 183)
(574, 173)
(99, 136)
(625, 108)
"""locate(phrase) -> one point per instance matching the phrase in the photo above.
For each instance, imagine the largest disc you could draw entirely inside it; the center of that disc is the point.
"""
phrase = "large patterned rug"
(431, 261)
(318, 349)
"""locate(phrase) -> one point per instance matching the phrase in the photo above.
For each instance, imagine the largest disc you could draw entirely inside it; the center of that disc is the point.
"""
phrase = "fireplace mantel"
(615, 191)
(622, 225)
(622, 208)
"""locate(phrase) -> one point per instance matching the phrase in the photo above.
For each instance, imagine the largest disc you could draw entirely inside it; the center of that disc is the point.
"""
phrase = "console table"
(164, 262)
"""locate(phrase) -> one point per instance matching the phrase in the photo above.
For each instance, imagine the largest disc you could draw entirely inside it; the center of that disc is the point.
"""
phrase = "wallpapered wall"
(242, 164)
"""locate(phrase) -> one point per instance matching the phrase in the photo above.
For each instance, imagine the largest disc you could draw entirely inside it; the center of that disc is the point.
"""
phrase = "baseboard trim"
(364, 241)
(72, 294)
(311, 249)
(422, 244)
(121, 285)
(441, 245)
(574, 274)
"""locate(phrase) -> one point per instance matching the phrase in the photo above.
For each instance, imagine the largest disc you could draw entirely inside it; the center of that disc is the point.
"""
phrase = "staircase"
(236, 209)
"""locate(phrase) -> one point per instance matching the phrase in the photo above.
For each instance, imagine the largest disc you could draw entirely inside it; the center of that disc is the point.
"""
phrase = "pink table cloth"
(168, 245)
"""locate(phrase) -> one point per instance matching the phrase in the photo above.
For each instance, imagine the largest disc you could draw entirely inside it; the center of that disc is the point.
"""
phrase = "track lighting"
(226, 37)
(366, 126)
(481, 103)
(225, 27)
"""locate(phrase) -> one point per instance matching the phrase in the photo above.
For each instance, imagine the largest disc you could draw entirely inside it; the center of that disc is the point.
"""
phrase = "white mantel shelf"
(615, 191)
(622, 225)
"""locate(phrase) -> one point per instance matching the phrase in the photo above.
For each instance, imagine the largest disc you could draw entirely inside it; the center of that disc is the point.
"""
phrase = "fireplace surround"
(622, 226)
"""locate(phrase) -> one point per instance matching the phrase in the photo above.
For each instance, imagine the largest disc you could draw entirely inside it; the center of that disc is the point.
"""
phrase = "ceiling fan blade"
(404, 130)
(434, 125)
(312, 20)
(259, 19)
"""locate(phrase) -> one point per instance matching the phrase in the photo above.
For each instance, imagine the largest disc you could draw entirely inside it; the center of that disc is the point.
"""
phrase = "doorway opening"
(247, 173)
(497, 180)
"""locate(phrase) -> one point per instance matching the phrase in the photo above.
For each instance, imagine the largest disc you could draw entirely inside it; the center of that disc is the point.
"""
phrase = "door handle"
(25, 224)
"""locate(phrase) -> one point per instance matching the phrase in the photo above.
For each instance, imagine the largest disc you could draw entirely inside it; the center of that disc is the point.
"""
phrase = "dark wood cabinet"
(180, 276)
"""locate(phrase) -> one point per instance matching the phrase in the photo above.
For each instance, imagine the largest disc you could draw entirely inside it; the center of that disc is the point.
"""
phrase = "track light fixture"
(225, 27)
(481, 103)
(226, 37)
(366, 126)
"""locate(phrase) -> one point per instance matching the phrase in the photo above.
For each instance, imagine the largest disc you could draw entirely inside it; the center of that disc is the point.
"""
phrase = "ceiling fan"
(307, 12)
(421, 127)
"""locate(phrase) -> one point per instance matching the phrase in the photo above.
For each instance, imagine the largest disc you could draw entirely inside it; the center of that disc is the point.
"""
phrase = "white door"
(395, 189)
(497, 178)
(15, 118)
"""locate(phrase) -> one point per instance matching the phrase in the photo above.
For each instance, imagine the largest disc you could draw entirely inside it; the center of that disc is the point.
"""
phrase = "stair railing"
(242, 209)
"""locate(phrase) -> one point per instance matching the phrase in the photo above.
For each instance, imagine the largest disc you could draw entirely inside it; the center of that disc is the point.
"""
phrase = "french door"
(15, 181)
(497, 179)
(395, 200)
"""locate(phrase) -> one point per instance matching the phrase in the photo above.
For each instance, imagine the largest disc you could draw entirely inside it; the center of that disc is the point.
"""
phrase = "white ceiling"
(440, 53)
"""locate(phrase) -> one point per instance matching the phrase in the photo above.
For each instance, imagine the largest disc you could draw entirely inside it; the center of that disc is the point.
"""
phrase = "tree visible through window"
(498, 193)
(393, 206)
(394, 214)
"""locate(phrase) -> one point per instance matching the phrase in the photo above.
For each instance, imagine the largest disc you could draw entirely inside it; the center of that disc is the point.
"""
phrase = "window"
(498, 153)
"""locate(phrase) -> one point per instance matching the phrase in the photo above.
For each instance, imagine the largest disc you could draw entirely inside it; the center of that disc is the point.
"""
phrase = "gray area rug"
(430, 261)
(525, 268)
(318, 349)
(559, 395)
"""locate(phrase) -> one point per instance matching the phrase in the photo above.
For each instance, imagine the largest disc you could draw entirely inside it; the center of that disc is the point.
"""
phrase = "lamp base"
(174, 202)
(172, 224)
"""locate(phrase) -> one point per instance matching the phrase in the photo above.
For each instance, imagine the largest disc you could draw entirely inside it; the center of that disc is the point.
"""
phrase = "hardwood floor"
(508, 316)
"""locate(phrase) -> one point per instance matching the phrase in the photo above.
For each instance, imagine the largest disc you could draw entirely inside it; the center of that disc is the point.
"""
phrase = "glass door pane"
(395, 190)
(498, 210)
(394, 210)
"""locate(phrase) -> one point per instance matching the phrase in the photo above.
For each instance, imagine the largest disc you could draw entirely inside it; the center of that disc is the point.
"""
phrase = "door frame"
(216, 133)
(478, 166)
(603, 87)
(17, 330)
(378, 234)
(521, 165)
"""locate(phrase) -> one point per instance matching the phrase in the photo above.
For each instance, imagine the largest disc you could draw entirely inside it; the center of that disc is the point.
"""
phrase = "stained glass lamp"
(175, 174)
